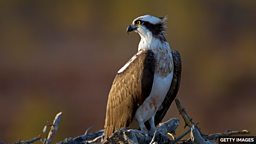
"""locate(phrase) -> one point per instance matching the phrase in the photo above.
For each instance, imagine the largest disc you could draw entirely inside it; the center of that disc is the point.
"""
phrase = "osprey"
(146, 85)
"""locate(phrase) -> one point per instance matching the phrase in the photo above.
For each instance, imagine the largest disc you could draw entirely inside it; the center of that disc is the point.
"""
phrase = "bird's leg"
(141, 123)
(146, 112)
(152, 124)
(143, 127)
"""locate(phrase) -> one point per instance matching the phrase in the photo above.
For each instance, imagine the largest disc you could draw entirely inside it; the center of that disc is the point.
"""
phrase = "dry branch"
(54, 128)
(137, 136)
(134, 136)
(227, 133)
(196, 135)
(34, 139)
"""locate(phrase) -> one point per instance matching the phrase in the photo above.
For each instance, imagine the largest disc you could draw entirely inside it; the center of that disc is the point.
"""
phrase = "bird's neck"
(150, 42)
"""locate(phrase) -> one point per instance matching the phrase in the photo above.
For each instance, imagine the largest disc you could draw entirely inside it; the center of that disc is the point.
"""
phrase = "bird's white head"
(150, 28)
(148, 25)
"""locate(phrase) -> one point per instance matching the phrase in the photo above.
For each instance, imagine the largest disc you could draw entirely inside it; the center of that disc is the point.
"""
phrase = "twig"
(82, 138)
(227, 133)
(187, 119)
(153, 138)
(196, 136)
(137, 136)
(54, 128)
(159, 138)
(181, 136)
(29, 141)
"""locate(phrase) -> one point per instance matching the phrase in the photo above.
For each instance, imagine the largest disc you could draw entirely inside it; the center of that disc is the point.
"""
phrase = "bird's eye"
(138, 22)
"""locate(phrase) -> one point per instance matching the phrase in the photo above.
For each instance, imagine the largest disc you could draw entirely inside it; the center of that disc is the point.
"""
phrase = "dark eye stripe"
(154, 28)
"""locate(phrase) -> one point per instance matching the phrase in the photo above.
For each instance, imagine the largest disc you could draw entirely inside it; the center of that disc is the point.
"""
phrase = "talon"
(171, 135)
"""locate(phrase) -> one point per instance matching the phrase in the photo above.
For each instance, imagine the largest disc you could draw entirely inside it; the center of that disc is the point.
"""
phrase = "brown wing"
(173, 89)
(129, 89)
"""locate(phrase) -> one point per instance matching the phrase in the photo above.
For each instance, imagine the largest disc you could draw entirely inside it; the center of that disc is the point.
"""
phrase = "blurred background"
(63, 55)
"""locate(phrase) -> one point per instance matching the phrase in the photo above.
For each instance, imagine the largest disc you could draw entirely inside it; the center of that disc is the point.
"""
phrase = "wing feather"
(129, 89)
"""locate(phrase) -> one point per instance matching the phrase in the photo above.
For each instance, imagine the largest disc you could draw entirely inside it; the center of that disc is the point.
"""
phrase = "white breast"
(160, 88)
(158, 92)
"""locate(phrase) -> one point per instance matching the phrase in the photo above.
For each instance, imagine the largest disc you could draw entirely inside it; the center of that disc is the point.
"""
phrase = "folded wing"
(129, 89)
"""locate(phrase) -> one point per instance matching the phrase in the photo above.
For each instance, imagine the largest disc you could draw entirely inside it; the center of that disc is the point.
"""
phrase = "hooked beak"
(131, 28)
